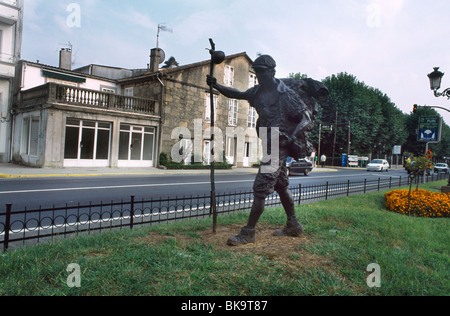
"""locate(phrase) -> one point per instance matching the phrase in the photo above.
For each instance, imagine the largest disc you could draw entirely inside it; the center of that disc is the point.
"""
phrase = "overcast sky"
(389, 44)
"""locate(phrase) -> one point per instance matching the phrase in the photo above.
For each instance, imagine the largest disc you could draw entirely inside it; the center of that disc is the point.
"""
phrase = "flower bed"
(423, 203)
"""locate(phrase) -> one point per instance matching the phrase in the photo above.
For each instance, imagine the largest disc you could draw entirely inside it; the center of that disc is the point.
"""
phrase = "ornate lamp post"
(435, 83)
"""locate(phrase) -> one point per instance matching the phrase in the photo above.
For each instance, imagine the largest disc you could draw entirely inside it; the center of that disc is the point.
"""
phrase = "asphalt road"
(40, 212)
(47, 192)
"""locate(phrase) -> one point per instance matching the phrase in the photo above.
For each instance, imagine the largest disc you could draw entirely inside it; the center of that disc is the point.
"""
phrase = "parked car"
(441, 168)
(300, 166)
(421, 173)
(378, 165)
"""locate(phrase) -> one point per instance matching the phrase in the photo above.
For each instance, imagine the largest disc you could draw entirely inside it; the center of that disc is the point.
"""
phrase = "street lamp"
(435, 83)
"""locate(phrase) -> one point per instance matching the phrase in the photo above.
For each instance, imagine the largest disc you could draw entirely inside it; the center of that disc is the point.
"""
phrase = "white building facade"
(11, 23)
(63, 118)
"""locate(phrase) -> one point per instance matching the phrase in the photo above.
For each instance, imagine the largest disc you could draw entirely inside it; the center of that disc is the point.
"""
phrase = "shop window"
(136, 143)
(87, 140)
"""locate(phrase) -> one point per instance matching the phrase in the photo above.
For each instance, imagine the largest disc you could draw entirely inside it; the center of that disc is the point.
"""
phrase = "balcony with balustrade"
(67, 97)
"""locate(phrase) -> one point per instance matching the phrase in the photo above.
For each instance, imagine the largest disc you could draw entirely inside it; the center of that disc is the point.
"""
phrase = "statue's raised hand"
(211, 81)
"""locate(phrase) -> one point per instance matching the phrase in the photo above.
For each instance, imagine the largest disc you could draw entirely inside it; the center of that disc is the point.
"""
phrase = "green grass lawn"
(343, 236)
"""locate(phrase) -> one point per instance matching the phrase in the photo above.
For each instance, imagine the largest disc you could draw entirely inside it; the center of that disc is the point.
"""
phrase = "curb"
(177, 172)
(171, 172)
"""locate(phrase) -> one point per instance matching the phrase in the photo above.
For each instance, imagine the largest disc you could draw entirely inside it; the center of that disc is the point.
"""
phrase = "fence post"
(7, 227)
(365, 184)
(326, 192)
(348, 188)
(132, 212)
(299, 194)
(379, 179)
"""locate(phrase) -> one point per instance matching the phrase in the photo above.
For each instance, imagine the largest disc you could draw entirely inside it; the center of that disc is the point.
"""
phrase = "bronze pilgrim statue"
(286, 110)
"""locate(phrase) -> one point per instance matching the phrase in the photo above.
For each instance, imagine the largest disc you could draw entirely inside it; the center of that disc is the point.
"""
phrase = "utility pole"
(349, 141)
(335, 137)
(320, 139)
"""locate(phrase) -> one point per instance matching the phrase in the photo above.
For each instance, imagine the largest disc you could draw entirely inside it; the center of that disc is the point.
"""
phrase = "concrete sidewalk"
(11, 171)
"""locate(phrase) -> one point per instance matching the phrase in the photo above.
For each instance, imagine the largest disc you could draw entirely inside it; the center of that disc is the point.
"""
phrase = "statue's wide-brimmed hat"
(264, 62)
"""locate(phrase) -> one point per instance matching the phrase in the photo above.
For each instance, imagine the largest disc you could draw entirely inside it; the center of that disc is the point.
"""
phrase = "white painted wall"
(32, 77)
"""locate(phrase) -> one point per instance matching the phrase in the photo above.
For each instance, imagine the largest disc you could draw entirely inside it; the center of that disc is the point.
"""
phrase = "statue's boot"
(247, 234)
(293, 227)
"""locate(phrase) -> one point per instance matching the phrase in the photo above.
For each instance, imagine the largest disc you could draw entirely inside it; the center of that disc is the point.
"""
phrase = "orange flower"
(423, 203)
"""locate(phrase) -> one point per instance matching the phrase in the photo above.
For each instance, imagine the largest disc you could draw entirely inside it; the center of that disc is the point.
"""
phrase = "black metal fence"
(31, 226)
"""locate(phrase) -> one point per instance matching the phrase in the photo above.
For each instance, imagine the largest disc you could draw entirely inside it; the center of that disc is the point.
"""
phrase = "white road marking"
(120, 187)
(158, 185)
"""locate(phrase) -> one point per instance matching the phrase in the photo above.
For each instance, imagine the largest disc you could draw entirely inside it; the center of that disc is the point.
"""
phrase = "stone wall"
(184, 103)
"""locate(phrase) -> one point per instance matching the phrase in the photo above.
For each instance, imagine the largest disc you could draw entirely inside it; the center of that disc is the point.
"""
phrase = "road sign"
(430, 129)
(344, 160)
(397, 150)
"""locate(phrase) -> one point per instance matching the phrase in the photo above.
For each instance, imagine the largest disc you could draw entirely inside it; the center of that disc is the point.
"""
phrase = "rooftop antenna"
(67, 45)
(162, 27)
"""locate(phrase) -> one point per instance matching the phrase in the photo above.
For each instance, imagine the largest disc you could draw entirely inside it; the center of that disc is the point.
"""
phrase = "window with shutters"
(30, 136)
(252, 117)
(208, 108)
(228, 79)
(253, 81)
(233, 112)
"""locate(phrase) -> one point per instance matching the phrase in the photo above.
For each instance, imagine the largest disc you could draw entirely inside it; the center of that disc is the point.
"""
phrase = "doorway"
(136, 146)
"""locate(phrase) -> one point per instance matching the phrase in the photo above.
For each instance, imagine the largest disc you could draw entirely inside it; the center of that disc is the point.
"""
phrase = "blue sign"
(344, 160)
(428, 135)
(429, 129)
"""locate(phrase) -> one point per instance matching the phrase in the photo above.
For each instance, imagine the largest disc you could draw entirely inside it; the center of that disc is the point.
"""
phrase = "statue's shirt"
(281, 108)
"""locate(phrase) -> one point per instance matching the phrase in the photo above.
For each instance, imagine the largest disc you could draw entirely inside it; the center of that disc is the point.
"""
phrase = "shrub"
(167, 162)
(422, 204)
(418, 166)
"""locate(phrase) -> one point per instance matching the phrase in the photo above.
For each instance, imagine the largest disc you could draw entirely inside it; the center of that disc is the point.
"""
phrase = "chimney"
(65, 59)
(155, 59)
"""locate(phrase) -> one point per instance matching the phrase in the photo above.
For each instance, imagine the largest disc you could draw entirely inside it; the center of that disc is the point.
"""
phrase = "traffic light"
(415, 108)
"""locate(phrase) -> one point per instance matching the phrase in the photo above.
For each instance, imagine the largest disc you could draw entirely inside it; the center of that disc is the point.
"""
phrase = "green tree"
(298, 75)
(170, 63)
(376, 124)
(356, 105)
(392, 130)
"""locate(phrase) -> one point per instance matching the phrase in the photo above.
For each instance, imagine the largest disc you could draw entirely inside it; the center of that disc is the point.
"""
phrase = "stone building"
(185, 114)
(99, 116)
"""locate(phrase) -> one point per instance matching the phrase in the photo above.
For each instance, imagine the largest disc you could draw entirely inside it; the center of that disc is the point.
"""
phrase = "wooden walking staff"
(217, 57)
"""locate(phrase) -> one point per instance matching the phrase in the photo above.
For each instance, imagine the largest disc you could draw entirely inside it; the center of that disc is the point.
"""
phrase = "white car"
(441, 167)
(378, 165)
